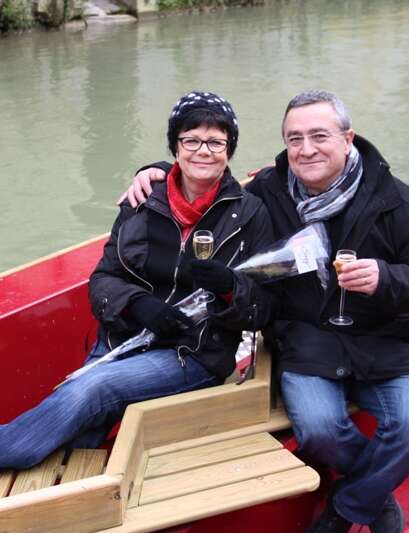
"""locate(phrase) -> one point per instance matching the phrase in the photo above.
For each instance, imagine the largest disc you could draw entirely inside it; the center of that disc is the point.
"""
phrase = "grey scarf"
(330, 202)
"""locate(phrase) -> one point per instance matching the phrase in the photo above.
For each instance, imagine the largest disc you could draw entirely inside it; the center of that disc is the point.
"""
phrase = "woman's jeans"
(81, 412)
(373, 467)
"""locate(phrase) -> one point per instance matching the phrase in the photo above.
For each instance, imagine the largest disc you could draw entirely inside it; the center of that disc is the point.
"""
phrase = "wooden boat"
(218, 459)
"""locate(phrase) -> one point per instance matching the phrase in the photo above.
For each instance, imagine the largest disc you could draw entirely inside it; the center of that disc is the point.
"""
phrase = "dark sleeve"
(255, 186)
(253, 304)
(112, 288)
(163, 165)
(393, 288)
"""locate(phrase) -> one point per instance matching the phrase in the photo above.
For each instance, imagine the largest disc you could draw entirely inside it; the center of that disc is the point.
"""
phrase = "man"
(339, 180)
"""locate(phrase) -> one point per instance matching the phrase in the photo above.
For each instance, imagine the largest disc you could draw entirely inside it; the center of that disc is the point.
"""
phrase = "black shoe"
(391, 519)
(330, 521)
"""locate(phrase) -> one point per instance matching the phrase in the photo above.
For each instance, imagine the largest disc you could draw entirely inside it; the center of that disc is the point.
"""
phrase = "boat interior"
(178, 462)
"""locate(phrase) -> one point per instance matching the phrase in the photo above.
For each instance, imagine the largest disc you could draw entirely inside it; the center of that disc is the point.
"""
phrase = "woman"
(147, 266)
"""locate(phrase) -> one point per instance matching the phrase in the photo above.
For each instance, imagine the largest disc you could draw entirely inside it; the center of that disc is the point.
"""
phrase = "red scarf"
(186, 213)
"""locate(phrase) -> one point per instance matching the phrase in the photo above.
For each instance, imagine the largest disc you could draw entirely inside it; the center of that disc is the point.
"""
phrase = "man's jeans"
(372, 467)
(82, 412)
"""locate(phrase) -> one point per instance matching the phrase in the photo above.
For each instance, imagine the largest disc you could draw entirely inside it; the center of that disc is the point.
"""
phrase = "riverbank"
(17, 16)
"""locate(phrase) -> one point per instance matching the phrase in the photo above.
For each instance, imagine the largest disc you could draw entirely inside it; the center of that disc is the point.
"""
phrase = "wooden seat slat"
(40, 476)
(6, 480)
(84, 463)
(208, 454)
(168, 513)
(210, 476)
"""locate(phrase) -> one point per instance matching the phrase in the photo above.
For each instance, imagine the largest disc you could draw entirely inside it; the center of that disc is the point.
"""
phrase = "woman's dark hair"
(197, 109)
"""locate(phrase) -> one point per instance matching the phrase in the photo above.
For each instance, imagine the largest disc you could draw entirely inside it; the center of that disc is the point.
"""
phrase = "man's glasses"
(191, 144)
(296, 141)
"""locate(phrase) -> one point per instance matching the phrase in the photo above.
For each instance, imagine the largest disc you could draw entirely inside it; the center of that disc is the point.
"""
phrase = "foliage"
(188, 4)
(15, 15)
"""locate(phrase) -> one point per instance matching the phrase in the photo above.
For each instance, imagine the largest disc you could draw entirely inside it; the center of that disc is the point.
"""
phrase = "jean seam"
(148, 397)
(379, 394)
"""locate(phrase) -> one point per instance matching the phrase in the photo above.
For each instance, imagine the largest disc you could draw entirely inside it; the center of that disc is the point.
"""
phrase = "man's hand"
(141, 186)
(252, 173)
(361, 275)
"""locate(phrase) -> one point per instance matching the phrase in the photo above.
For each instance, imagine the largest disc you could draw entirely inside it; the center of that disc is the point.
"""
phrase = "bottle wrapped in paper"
(305, 251)
(193, 306)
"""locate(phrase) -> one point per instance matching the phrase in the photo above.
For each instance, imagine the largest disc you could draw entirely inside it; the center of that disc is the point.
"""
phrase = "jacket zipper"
(180, 356)
(181, 251)
(129, 269)
(183, 243)
(175, 273)
(236, 253)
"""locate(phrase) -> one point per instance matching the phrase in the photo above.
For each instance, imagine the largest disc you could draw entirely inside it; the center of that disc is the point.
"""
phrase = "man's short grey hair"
(318, 97)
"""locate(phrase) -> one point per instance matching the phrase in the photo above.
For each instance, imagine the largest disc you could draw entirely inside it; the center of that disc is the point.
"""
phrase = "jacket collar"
(158, 200)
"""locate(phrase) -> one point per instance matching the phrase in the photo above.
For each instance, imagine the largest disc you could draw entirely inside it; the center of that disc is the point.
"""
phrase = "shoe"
(330, 521)
(391, 519)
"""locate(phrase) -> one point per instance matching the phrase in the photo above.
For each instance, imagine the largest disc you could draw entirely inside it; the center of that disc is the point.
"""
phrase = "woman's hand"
(141, 186)
(159, 317)
(361, 275)
(212, 275)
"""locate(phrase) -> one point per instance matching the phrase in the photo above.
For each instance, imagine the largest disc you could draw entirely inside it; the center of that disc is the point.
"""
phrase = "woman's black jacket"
(145, 255)
(375, 224)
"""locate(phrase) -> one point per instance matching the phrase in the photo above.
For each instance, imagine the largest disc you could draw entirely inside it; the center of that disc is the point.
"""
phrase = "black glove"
(212, 275)
(159, 317)
(184, 275)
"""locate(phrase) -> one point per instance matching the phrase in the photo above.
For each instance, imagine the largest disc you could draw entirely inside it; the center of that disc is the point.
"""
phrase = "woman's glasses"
(191, 144)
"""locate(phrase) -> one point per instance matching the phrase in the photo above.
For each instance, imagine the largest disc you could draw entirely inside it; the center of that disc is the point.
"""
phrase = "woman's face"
(202, 164)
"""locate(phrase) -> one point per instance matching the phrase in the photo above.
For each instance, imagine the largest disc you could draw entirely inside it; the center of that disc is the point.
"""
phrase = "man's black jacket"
(375, 224)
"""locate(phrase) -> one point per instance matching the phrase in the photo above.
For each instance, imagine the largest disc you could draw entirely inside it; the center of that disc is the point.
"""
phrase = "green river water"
(79, 111)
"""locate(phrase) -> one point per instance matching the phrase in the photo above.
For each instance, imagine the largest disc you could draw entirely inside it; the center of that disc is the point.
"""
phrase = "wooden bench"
(54, 495)
(81, 464)
(202, 453)
(175, 459)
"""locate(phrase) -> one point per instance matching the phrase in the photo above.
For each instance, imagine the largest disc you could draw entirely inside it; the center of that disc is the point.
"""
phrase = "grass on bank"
(15, 15)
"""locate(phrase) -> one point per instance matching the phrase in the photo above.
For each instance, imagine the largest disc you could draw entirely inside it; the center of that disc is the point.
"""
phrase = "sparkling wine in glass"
(203, 243)
(342, 257)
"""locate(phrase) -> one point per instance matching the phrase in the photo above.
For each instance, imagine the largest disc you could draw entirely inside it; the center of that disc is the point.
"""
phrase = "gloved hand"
(184, 275)
(212, 275)
(162, 319)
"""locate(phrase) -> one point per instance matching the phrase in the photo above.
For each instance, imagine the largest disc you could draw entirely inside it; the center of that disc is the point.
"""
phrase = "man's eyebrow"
(309, 132)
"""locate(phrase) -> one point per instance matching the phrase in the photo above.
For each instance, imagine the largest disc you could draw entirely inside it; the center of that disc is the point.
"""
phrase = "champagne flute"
(203, 243)
(343, 256)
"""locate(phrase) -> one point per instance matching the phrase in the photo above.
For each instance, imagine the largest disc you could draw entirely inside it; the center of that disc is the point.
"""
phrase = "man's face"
(317, 147)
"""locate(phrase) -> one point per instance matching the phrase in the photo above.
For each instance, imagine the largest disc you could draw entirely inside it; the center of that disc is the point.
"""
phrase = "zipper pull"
(181, 360)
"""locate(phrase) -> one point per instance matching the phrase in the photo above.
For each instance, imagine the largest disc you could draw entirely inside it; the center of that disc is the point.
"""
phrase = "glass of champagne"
(343, 256)
(203, 243)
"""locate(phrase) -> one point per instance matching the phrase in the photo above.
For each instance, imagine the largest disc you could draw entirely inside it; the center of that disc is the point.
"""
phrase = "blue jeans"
(81, 412)
(372, 468)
